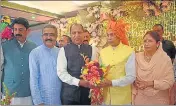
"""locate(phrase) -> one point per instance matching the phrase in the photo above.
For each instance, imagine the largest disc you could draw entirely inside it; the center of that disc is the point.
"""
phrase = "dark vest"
(75, 62)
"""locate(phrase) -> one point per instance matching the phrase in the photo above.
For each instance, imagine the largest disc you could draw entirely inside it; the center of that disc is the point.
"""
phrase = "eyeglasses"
(49, 34)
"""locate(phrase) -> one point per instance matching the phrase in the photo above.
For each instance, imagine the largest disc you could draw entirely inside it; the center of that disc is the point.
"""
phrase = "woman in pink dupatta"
(155, 75)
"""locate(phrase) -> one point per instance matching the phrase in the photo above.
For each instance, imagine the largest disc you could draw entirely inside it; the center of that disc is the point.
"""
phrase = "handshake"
(86, 84)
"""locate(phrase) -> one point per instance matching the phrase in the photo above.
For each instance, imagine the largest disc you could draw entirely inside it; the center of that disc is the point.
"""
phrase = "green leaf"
(8, 97)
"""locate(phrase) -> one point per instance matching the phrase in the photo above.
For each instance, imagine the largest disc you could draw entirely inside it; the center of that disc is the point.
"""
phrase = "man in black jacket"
(75, 91)
(167, 45)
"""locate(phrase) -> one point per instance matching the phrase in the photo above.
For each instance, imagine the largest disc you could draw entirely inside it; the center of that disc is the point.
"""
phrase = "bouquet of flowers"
(8, 97)
(94, 73)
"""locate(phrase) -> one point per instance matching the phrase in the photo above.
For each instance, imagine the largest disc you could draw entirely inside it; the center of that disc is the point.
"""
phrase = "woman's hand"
(143, 84)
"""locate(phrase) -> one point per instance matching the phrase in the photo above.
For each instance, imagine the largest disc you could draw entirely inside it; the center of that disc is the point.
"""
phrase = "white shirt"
(95, 53)
(62, 68)
(21, 44)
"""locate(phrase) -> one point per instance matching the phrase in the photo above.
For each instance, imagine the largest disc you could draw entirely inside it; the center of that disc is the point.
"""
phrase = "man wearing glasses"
(16, 63)
(44, 82)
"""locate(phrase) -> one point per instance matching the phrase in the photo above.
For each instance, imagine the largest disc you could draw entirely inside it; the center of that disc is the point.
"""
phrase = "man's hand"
(84, 83)
(93, 86)
(105, 83)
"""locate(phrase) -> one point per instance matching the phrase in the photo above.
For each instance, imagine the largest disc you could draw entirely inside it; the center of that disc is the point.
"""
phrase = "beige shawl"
(159, 70)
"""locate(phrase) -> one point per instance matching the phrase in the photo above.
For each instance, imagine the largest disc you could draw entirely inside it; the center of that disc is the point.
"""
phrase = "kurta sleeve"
(62, 69)
(167, 80)
(95, 53)
(130, 70)
(34, 78)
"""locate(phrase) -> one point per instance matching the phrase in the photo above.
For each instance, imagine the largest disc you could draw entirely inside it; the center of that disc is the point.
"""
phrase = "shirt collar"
(79, 46)
(114, 48)
(47, 47)
(21, 44)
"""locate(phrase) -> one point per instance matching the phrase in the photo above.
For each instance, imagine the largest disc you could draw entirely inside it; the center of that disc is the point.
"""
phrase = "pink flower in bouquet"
(101, 73)
(94, 73)
(89, 65)
(96, 64)
(94, 70)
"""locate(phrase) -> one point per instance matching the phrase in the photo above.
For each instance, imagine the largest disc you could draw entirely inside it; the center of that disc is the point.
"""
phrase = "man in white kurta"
(69, 64)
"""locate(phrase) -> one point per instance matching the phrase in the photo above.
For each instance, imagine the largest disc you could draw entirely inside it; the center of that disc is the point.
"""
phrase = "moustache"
(48, 40)
(18, 35)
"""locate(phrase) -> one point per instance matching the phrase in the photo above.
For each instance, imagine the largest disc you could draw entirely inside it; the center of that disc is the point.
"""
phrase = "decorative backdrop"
(141, 15)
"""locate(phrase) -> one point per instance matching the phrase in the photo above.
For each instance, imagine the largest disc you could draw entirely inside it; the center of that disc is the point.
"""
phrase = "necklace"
(147, 58)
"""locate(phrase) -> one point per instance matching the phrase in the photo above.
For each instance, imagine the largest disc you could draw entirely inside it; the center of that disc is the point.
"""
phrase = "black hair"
(76, 24)
(154, 35)
(68, 38)
(21, 21)
(159, 25)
